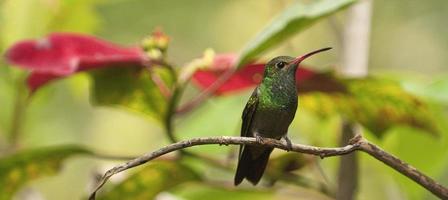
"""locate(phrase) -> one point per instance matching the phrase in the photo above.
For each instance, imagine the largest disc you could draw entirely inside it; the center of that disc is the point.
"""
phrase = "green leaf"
(294, 19)
(377, 104)
(17, 169)
(131, 88)
(156, 177)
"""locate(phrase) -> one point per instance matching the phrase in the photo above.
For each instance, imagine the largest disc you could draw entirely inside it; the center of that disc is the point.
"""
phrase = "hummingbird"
(268, 114)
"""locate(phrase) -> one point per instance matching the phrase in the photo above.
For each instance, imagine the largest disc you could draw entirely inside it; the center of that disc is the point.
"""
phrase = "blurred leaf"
(212, 123)
(30, 18)
(77, 16)
(294, 19)
(208, 60)
(206, 192)
(282, 164)
(377, 104)
(16, 23)
(156, 177)
(437, 90)
(19, 168)
(131, 88)
(201, 191)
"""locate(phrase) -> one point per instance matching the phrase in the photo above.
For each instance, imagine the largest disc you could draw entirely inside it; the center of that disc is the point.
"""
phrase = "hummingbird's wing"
(252, 161)
(248, 114)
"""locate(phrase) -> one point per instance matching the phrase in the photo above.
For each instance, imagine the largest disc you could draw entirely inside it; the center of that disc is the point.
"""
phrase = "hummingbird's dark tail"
(252, 168)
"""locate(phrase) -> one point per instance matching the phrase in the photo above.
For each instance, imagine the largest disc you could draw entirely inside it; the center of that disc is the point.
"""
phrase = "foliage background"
(408, 44)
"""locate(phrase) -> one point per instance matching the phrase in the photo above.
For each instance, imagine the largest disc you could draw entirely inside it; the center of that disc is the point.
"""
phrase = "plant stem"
(172, 105)
(18, 115)
(348, 165)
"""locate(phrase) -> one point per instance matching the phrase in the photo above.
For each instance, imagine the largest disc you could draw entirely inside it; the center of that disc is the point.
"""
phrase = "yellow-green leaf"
(19, 168)
(158, 176)
(377, 104)
(131, 88)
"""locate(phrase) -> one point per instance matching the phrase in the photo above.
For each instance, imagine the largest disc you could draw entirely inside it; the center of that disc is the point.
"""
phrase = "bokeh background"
(408, 43)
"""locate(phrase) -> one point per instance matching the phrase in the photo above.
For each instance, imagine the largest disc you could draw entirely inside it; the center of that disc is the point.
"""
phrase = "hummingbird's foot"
(259, 138)
(288, 143)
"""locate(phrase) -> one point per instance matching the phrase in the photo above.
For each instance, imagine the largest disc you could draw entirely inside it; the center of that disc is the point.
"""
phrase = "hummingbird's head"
(284, 66)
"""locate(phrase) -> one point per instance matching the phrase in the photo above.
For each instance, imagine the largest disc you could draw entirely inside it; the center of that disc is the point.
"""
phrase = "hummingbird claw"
(259, 138)
(288, 143)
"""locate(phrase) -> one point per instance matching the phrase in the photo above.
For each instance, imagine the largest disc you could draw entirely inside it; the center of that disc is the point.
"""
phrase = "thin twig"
(149, 65)
(357, 143)
(161, 85)
(172, 104)
(206, 93)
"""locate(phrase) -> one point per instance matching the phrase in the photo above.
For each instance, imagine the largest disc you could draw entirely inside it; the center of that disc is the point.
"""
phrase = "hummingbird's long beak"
(299, 59)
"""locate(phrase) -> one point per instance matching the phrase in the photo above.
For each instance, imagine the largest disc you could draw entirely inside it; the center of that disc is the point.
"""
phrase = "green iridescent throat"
(276, 92)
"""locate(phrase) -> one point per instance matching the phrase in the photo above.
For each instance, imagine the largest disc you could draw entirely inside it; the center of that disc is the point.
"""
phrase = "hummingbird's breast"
(276, 110)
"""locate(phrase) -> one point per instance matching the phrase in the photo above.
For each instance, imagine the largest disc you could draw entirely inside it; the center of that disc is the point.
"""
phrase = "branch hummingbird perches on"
(357, 143)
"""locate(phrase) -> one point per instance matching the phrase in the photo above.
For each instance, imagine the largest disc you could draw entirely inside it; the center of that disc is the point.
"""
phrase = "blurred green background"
(409, 44)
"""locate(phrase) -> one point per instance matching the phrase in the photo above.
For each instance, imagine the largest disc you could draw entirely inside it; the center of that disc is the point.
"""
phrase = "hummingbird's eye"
(280, 65)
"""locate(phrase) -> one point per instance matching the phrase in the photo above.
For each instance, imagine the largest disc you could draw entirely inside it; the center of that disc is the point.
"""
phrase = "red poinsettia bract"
(62, 54)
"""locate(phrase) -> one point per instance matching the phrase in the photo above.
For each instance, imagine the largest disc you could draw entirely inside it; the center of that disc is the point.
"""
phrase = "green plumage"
(268, 114)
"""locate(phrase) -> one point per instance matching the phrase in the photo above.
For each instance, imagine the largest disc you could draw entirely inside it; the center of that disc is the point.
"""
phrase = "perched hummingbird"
(268, 114)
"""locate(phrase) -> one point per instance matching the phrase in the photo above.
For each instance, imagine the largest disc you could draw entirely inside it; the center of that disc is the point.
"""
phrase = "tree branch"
(356, 143)
(406, 169)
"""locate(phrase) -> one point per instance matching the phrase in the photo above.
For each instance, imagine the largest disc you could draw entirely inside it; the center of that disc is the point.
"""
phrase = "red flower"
(62, 54)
